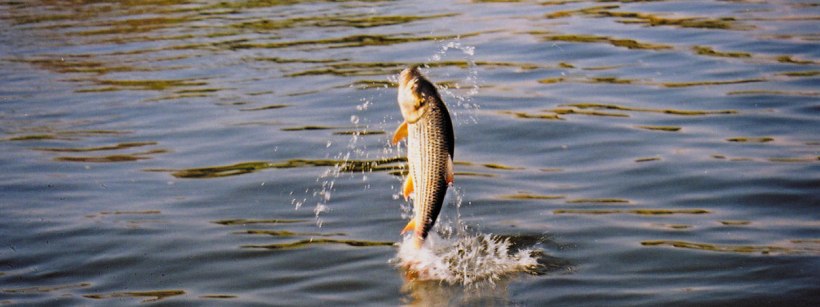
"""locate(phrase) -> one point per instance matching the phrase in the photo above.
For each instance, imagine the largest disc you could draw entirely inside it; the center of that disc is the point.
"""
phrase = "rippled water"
(235, 152)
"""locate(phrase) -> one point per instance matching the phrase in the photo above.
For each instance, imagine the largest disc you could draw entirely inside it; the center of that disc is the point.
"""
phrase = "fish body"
(430, 145)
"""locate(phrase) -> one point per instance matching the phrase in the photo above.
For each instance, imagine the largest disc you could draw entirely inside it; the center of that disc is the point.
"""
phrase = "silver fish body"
(430, 147)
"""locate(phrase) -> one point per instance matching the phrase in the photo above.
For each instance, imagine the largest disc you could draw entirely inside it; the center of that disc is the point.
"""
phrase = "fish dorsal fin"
(400, 134)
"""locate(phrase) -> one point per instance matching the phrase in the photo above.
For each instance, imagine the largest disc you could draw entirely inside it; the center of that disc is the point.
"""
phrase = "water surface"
(194, 151)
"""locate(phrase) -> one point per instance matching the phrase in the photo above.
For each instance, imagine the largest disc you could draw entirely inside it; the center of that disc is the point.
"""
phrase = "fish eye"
(423, 100)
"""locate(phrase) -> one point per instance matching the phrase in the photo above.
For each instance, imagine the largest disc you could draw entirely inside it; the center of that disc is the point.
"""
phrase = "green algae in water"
(551, 80)
(386, 164)
(218, 296)
(255, 221)
(549, 116)
(750, 139)
(45, 289)
(111, 158)
(673, 226)
(150, 296)
(708, 51)
(64, 135)
(355, 21)
(790, 60)
(810, 73)
(501, 167)
(564, 111)
(311, 242)
(725, 23)
(526, 196)
(598, 201)
(349, 69)
(664, 111)
(610, 80)
(143, 212)
(735, 222)
(647, 159)
(632, 211)
(342, 42)
(99, 148)
(308, 128)
(709, 83)
(235, 6)
(618, 42)
(794, 159)
(371, 84)
(68, 64)
(474, 174)
(724, 248)
(661, 128)
(285, 233)
(33, 137)
(147, 85)
(267, 107)
(360, 132)
(137, 25)
(102, 159)
(773, 93)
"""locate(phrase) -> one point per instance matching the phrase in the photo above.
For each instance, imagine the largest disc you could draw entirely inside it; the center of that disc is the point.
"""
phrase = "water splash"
(468, 260)
(456, 256)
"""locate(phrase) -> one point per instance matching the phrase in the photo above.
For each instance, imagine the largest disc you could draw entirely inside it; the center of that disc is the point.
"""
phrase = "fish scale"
(428, 154)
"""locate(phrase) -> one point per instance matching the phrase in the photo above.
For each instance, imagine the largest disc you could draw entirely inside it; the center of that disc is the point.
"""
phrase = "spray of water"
(465, 107)
(455, 255)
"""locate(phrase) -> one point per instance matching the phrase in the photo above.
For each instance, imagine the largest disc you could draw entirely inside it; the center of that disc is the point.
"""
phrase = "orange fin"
(450, 172)
(407, 189)
(410, 226)
(400, 134)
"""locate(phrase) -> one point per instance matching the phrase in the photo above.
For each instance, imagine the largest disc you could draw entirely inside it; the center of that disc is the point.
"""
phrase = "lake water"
(618, 153)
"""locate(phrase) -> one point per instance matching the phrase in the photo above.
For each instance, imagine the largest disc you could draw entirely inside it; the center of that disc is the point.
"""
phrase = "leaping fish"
(430, 144)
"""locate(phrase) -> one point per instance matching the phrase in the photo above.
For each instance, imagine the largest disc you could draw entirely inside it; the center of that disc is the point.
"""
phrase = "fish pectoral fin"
(450, 170)
(410, 226)
(407, 189)
(400, 133)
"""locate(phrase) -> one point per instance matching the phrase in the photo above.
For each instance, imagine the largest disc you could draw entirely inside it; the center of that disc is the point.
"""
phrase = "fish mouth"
(412, 103)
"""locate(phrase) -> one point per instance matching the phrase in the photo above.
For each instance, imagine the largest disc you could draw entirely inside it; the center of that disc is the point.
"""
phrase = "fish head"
(413, 100)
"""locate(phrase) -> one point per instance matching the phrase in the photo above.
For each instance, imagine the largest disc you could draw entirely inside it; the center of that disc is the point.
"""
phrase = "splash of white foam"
(468, 260)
